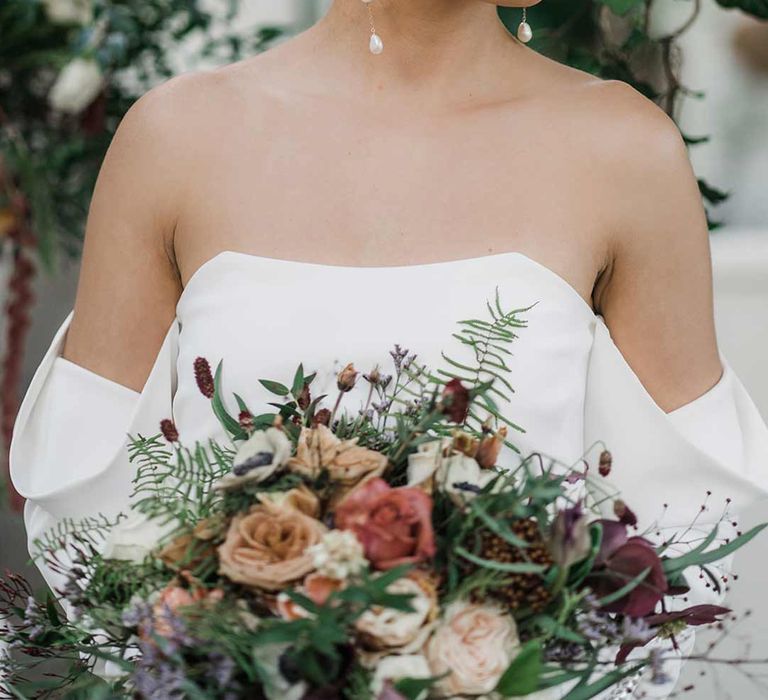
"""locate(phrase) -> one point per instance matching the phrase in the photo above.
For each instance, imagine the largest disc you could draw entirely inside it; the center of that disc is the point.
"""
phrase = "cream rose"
(473, 643)
(267, 547)
(134, 537)
(390, 629)
(260, 456)
(347, 463)
(430, 467)
(78, 84)
(396, 667)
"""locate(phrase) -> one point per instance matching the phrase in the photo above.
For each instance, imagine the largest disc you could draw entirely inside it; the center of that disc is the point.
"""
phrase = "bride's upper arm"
(128, 282)
(656, 296)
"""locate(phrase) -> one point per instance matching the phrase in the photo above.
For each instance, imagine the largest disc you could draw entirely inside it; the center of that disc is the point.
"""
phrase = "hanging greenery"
(616, 39)
(69, 70)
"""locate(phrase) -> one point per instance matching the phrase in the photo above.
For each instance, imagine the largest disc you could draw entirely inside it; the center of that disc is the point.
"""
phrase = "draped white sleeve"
(712, 449)
(68, 455)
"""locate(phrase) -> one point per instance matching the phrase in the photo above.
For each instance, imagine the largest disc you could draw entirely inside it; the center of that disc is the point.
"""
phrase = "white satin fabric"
(262, 316)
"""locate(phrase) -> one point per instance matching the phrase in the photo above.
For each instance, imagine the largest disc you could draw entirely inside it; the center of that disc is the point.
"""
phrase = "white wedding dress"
(264, 316)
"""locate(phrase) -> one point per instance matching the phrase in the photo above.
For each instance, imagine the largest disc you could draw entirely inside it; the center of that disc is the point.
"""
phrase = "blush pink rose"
(394, 525)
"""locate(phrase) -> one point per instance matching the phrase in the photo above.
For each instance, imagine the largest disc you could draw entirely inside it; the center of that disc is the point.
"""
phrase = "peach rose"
(267, 547)
(394, 525)
(173, 598)
(474, 644)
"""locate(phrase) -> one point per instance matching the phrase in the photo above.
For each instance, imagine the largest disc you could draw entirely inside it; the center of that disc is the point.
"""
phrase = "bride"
(323, 200)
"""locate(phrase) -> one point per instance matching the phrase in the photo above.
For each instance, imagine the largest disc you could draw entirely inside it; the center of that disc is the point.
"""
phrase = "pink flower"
(393, 524)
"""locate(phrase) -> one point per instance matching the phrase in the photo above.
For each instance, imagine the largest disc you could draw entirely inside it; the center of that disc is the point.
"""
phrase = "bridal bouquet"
(401, 551)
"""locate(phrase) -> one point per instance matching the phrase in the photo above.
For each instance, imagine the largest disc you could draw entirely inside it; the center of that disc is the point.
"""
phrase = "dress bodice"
(263, 317)
(574, 391)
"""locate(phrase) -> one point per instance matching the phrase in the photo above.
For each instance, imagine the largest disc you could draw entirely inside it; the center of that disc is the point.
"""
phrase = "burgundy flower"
(619, 561)
(169, 430)
(455, 402)
(203, 377)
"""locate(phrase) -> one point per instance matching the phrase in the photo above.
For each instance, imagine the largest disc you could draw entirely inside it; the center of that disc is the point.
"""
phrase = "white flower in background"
(339, 555)
(69, 11)
(474, 644)
(260, 456)
(390, 629)
(78, 84)
(396, 667)
(134, 537)
(452, 474)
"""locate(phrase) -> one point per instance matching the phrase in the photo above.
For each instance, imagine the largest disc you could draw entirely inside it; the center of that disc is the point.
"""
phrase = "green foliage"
(576, 33)
(522, 675)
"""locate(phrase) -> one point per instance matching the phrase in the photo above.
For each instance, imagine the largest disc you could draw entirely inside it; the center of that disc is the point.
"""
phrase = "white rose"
(450, 473)
(69, 11)
(387, 628)
(135, 536)
(474, 644)
(78, 84)
(399, 666)
(260, 456)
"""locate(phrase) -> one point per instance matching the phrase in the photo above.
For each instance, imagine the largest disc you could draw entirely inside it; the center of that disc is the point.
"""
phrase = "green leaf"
(228, 422)
(522, 675)
(275, 387)
(698, 558)
(756, 8)
(413, 688)
(585, 691)
(298, 381)
(517, 568)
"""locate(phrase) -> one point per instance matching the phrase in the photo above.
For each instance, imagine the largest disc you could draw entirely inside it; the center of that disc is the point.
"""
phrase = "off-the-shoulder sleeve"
(712, 449)
(68, 454)
(718, 443)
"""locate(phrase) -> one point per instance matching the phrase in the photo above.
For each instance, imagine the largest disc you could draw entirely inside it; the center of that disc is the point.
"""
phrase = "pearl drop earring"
(524, 31)
(375, 45)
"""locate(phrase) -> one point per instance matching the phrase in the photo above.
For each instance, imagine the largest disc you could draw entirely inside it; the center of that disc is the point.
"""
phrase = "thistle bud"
(624, 513)
(346, 379)
(203, 377)
(245, 418)
(169, 430)
(304, 398)
(606, 462)
(374, 376)
(322, 417)
(455, 401)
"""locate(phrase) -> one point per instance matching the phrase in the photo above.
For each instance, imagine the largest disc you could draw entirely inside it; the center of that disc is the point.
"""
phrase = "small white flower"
(396, 667)
(339, 555)
(260, 456)
(69, 11)
(78, 84)
(134, 537)
(451, 473)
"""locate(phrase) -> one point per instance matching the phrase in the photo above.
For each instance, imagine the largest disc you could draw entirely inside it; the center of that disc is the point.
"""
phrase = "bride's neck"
(429, 43)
